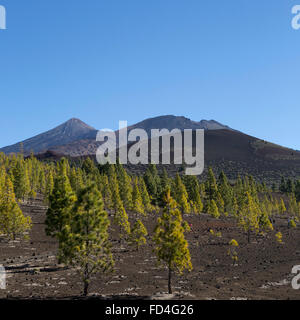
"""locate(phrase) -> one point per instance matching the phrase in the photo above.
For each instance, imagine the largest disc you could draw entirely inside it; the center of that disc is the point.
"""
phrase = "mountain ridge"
(75, 131)
(226, 149)
(67, 132)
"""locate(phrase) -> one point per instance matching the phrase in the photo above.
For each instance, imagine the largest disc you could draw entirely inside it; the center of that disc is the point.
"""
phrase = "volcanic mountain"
(225, 148)
(68, 132)
(76, 138)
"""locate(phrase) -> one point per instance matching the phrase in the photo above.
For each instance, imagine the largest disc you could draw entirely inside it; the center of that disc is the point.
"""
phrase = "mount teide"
(225, 148)
(76, 138)
(68, 132)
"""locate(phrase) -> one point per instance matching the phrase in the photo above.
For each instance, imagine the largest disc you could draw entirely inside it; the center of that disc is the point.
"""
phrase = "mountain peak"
(68, 132)
(77, 123)
(180, 122)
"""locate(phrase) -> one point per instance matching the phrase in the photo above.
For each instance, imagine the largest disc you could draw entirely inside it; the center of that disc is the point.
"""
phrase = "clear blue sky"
(235, 61)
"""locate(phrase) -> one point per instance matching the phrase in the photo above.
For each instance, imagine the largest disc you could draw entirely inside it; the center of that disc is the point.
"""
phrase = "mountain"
(68, 132)
(171, 122)
(225, 148)
(87, 146)
(76, 138)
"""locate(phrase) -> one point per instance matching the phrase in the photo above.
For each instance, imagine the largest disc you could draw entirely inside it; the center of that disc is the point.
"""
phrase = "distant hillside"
(171, 122)
(68, 132)
(225, 148)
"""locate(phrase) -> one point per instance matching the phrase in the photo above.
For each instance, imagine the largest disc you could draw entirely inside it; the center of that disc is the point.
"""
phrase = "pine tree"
(125, 187)
(181, 196)
(233, 244)
(84, 241)
(226, 193)
(12, 220)
(137, 201)
(282, 208)
(212, 209)
(171, 246)
(138, 234)
(42, 181)
(153, 183)
(293, 205)
(49, 186)
(88, 167)
(21, 180)
(106, 192)
(249, 215)
(121, 219)
(211, 185)
(193, 190)
(145, 195)
(120, 215)
(61, 201)
(164, 181)
(264, 220)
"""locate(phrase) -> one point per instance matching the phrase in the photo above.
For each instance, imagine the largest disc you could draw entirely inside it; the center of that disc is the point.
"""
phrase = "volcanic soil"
(263, 270)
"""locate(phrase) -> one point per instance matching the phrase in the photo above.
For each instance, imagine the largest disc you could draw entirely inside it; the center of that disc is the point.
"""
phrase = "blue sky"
(235, 61)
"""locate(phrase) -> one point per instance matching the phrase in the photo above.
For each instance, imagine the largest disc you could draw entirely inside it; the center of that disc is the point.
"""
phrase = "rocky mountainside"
(171, 122)
(68, 132)
(76, 138)
(225, 148)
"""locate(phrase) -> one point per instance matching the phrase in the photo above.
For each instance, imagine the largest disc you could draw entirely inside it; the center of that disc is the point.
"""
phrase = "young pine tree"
(84, 242)
(211, 185)
(120, 215)
(145, 195)
(49, 186)
(181, 196)
(21, 180)
(61, 201)
(12, 220)
(171, 246)
(125, 187)
(282, 208)
(138, 234)
(249, 215)
(137, 201)
(212, 209)
(193, 190)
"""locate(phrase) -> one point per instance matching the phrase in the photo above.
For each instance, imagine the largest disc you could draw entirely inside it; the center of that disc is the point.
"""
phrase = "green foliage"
(138, 234)
(12, 221)
(153, 183)
(61, 201)
(137, 201)
(125, 187)
(171, 246)
(278, 237)
(213, 209)
(233, 244)
(249, 215)
(181, 196)
(145, 195)
(84, 242)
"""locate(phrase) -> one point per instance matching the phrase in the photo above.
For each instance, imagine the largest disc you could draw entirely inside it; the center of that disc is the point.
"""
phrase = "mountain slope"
(171, 122)
(68, 132)
(225, 149)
